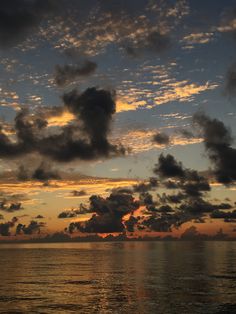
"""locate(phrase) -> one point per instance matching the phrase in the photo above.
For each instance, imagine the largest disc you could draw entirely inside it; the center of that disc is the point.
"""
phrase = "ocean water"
(126, 277)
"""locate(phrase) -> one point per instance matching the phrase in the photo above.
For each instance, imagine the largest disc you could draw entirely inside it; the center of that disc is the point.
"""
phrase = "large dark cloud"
(68, 73)
(87, 139)
(218, 143)
(109, 213)
(19, 18)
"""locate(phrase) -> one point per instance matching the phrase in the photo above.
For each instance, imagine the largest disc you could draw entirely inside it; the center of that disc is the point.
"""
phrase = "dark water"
(138, 277)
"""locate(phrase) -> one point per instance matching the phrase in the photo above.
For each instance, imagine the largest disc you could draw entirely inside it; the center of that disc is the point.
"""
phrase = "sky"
(117, 117)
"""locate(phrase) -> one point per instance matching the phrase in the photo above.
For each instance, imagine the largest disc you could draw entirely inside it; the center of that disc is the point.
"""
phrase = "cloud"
(68, 73)
(161, 138)
(190, 181)
(198, 38)
(39, 217)
(168, 167)
(153, 41)
(172, 198)
(218, 141)
(86, 139)
(228, 22)
(137, 30)
(5, 227)
(44, 173)
(19, 18)
(131, 223)
(10, 207)
(227, 216)
(74, 212)
(31, 228)
(109, 213)
(230, 87)
(79, 193)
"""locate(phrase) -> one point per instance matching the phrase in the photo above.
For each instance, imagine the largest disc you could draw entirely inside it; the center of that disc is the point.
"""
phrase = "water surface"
(127, 277)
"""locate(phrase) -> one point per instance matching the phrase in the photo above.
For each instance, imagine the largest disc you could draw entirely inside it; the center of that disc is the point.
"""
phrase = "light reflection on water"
(127, 277)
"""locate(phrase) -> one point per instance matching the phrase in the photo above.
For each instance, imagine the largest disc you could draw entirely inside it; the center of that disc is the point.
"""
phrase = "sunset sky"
(117, 117)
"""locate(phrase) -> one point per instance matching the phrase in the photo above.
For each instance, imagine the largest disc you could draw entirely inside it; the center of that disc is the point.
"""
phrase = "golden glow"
(60, 120)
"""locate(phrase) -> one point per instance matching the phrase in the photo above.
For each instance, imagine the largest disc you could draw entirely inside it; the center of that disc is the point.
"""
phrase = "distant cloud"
(10, 207)
(108, 214)
(44, 173)
(31, 228)
(68, 73)
(5, 227)
(198, 38)
(230, 87)
(161, 138)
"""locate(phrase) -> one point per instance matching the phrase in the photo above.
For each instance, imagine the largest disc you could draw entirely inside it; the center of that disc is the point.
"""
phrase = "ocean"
(118, 277)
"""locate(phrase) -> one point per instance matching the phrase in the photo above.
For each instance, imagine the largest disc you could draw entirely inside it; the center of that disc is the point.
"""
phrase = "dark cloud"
(153, 41)
(31, 228)
(186, 133)
(10, 207)
(228, 20)
(165, 209)
(157, 42)
(39, 217)
(218, 141)
(230, 87)
(172, 198)
(131, 223)
(86, 139)
(190, 181)
(74, 212)
(146, 198)
(161, 138)
(168, 167)
(192, 233)
(159, 224)
(22, 174)
(219, 214)
(122, 190)
(197, 206)
(5, 227)
(68, 73)
(143, 187)
(109, 213)
(44, 173)
(170, 184)
(19, 18)
(78, 193)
